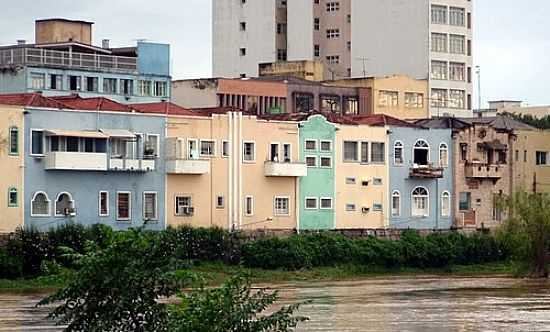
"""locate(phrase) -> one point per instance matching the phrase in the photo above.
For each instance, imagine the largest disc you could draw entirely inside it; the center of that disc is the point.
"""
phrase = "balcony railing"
(426, 172)
(45, 57)
(188, 166)
(76, 161)
(282, 169)
(483, 171)
(131, 165)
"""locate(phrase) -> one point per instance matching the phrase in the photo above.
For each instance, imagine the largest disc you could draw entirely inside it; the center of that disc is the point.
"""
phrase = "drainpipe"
(230, 170)
(240, 203)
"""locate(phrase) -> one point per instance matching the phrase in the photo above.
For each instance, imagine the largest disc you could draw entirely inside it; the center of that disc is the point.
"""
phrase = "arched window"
(64, 205)
(13, 197)
(421, 153)
(420, 202)
(446, 204)
(396, 204)
(398, 158)
(40, 205)
(443, 155)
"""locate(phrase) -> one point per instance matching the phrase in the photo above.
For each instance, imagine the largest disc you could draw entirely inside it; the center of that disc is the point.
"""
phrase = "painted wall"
(11, 166)
(13, 81)
(299, 24)
(527, 174)
(195, 93)
(84, 186)
(319, 182)
(401, 182)
(153, 59)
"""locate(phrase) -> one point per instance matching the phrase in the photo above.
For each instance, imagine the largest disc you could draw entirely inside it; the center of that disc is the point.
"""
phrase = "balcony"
(131, 165)
(76, 161)
(426, 172)
(277, 169)
(483, 171)
(188, 166)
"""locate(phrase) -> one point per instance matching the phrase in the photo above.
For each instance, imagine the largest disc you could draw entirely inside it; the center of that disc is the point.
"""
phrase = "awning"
(118, 133)
(75, 133)
(494, 145)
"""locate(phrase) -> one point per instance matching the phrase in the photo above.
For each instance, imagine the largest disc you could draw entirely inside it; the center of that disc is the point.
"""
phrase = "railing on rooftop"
(45, 57)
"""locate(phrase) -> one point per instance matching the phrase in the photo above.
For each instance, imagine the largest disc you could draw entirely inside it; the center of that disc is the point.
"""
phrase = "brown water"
(421, 304)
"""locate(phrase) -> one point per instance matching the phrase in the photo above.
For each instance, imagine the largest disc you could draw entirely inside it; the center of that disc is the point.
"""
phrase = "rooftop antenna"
(364, 62)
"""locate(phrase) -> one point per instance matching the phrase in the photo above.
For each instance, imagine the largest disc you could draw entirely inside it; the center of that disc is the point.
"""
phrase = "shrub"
(10, 266)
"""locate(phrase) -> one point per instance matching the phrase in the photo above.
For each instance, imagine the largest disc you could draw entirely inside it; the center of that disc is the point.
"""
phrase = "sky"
(511, 43)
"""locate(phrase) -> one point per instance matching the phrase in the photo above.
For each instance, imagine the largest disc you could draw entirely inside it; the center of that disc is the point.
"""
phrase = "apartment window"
(220, 202)
(316, 24)
(311, 203)
(396, 204)
(333, 6)
(144, 88)
(350, 152)
(160, 89)
(183, 206)
(497, 211)
(151, 146)
(420, 198)
(333, 59)
(326, 146)
(378, 152)
(208, 148)
(351, 180)
(463, 151)
(281, 54)
(333, 33)
(56, 82)
(281, 28)
(150, 205)
(457, 16)
(242, 51)
(40, 205)
(446, 204)
(38, 81)
(439, 14)
(225, 149)
(524, 156)
(377, 207)
(110, 85)
(316, 50)
(249, 151)
(282, 206)
(443, 155)
(91, 84)
(439, 42)
(326, 162)
(439, 98)
(348, 17)
(64, 205)
(75, 83)
(364, 152)
(103, 204)
(192, 149)
(398, 153)
(388, 98)
(326, 203)
(457, 44)
(414, 100)
(541, 158)
(287, 153)
(439, 70)
(469, 47)
(311, 145)
(350, 207)
(242, 25)
(123, 206)
(14, 141)
(249, 206)
(311, 161)
(465, 201)
(37, 142)
(127, 87)
(457, 71)
(377, 181)
(456, 99)
(13, 197)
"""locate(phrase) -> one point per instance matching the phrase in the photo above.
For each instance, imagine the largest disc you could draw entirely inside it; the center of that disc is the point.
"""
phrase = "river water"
(398, 304)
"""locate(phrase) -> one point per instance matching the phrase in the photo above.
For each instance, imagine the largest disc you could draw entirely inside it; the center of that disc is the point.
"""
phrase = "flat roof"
(63, 20)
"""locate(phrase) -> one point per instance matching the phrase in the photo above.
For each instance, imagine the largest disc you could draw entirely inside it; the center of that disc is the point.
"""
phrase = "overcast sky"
(511, 44)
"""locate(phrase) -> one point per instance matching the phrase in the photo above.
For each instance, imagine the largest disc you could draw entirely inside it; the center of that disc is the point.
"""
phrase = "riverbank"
(215, 273)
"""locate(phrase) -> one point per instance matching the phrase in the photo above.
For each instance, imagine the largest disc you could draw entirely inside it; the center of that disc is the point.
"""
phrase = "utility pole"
(364, 61)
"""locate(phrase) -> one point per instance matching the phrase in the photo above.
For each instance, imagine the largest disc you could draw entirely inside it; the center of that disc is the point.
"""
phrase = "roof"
(331, 117)
(119, 133)
(34, 99)
(162, 108)
(75, 133)
(209, 111)
(287, 79)
(383, 120)
(92, 104)
(499, 122)
(63, 20)
(443, 123)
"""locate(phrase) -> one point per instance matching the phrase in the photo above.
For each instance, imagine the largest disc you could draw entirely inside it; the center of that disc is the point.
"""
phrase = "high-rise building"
(424, 39)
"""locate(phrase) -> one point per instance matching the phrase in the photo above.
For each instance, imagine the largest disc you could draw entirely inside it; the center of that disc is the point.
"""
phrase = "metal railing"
(45, 57)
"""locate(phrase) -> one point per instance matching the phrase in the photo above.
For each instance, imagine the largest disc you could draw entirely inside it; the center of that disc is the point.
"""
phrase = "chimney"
(105, 44)
(21, 42)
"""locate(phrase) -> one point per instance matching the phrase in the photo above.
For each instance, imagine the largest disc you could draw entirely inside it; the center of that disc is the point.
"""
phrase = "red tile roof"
(331, 117)
(162, 108)
(209, 111)
(382, 120)
(92, 104)
(30, 100)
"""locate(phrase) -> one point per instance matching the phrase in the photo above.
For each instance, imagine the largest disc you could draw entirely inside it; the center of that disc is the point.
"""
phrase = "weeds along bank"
(29, 253)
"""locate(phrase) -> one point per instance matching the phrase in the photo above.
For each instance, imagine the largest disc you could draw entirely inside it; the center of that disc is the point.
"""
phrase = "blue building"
(421, 178)
(64, 61)
(92, 167)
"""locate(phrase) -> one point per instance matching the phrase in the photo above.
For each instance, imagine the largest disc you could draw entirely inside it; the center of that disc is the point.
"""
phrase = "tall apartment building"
(424, 39)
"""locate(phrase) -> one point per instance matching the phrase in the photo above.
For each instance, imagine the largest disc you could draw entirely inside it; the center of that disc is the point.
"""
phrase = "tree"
(529, 221)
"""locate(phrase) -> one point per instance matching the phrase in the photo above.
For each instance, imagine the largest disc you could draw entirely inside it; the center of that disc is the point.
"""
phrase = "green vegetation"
(540, 123)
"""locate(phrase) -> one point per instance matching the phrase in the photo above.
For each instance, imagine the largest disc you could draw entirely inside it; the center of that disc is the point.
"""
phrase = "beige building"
(532, 152)
(51, 31)
(307, 70)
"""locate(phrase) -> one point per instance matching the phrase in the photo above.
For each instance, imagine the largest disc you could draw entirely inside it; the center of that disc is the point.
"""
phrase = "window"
(351, 180)
(457, 16)
(144, 88)
(103, 204)
(350, 207)
(160, 89)
(378, 152)
(14, 141)
(457, 44)
(420, 198)
(151, 150)
(465, 201)
(316, 24)
(326, 162)
(456, 99)
(333, 33)
(40, 205)
(463, 151)
(220, 202)
(281, 54)
(127, 87)
(225, 149)
(249, 152)
(242, 51)
(398, 153)
(377, 182)
(192, 149)
(439, 70)
(330, 103)
(91, 84)
(37, 142)
(457, 71)
(443, 155)
(311, 203)
(388, 98)
(439, 98)
(311, 161)
(281, 28)
(242, 26)
(184, 206)
(421, 153)
(326, 146)
(13, 197)
(439, 14)
(311, 145)
(333, 6)
(208, 148)
(75, 83)
(150, 206)
(364, 152)
(38, 81)
(110, 85)
(517, 156)
(281, 207)
(249, 206)
(524, 156)
(333, 59)
(287, 153)
(377, 207)
(396, 204)
(414, 100)
(541, 158)
(123, 206)
(56, 82)
(497, 210)
(64, 205)
(303, 102)
(439, 42)
(326, 203)
(350, 152)
(316, 50)
(446, 204)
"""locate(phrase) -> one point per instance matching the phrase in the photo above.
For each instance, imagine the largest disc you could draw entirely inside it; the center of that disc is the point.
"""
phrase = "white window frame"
(357, 151)
(156, 218)
(157, 148)
(43, 144)
(446, 196)
(413, 208)
(99, 203)
(321, 146)
(399, 145)
(118, 218)
(270, 152)
(375, 207)
(71, 200)
(308, 141)
(326, 208)
(283, 152)
(252, 161)
(246, 200)
(222, 153)
(47, 200)
(396, 212)
(188, 150)
(316, 161)
(444, 147)
(351, 207)
(311, 208)
(213, 154)
(351, 180)
(287, 198)
(429, 148)
(321, 164)
(190, 197)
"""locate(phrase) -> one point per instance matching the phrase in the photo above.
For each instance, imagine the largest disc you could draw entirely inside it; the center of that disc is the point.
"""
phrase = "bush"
(11, 267)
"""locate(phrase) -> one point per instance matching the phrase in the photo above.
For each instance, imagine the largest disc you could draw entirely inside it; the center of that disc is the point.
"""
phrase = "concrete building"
(513, 107)
(424, 39)
(63, 60)
(307, 70)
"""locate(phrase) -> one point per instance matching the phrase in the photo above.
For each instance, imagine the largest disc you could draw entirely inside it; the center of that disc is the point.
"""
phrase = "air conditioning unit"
(365, 210)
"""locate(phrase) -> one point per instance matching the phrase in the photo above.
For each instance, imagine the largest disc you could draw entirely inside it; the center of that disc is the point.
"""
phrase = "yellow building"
(306, 69)
(532, 160)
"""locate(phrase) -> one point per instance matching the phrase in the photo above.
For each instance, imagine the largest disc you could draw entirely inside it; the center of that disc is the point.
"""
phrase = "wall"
(153, 59)
(300, 30)
(12, 167)
(55, 31)
(12, 81)
(527, 174)
(84, 186)
(195, 93)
